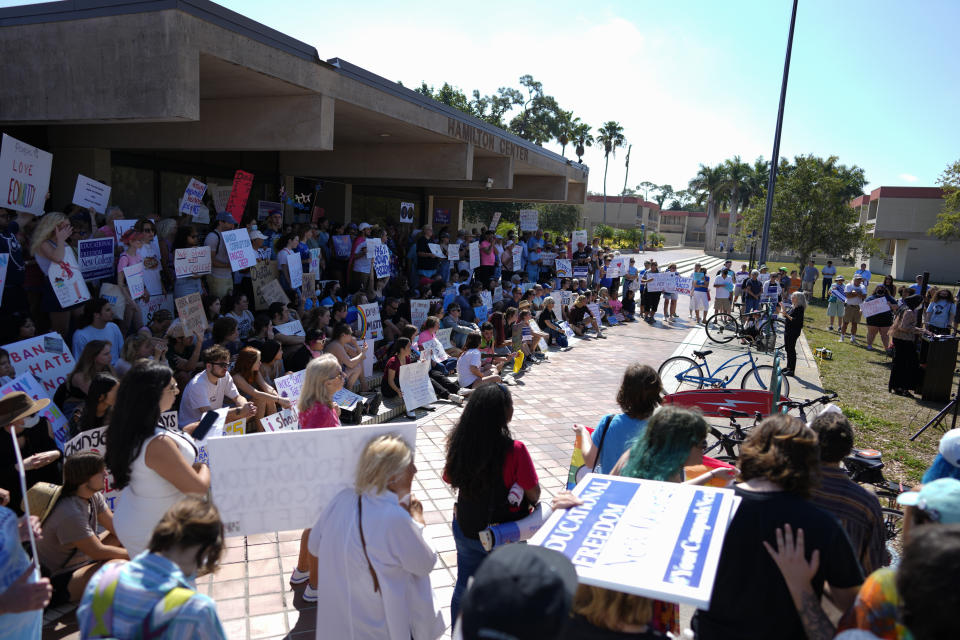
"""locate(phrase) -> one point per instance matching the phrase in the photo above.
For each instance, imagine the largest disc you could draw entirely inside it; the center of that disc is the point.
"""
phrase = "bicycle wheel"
(759, 379)
(682, 371)
(771, 334)
(892, 522)
(722, 327)
(725, 445)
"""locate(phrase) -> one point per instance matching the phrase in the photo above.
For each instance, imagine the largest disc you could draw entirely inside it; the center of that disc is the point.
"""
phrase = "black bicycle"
(727, 445)
(763, 329)
(865, 467)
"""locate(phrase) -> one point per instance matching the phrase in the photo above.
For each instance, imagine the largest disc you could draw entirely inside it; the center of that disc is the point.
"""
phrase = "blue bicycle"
(689, 373)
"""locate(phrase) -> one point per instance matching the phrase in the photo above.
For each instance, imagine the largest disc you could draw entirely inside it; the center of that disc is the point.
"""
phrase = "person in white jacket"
(370, 543)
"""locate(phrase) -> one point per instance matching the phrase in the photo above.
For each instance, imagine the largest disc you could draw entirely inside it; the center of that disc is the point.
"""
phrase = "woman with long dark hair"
(493, 474)
(906, 363)
(153, 466)
(187, 238)
(96, 409)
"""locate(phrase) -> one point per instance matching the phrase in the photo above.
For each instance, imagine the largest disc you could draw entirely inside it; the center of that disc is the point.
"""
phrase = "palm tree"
(737, 173)
(610, 136)
(566, 123)
(581, 136)
(711, 186)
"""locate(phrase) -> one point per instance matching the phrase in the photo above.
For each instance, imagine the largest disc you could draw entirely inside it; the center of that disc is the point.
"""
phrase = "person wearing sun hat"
(18, 415)
(835, 303)
(947, 462)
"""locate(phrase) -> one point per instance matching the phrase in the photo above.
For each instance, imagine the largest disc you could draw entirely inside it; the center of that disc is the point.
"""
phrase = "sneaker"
(310, 594)
(299, 577)
(412, 415)
(841, 339)
(853, 339)
(455, 399)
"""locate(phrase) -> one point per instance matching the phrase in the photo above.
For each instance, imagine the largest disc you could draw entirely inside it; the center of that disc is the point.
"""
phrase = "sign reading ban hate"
(653, 539)
(280, 481)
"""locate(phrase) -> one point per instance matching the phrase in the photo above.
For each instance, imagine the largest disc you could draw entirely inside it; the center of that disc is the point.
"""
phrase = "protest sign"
(406, 212)
(415, 385)
(581, 272)
(220, 195)
(192, 316)
(95, 441)
(26, 382)
(369, 358)
(436, 250)
(25, 176)
(91, 194)
(563, 268)
(595, 311)
(292, 328)
(579, 237)
(381, 261)
(191, 261)
(547, 258)
(96, 258)
(192, 201)
(152, 280)
(659, 540)
(315, 263)
(435, 350)
(528, 219)
(347, 399)
(242, 183)
(239, 249)
(67, 281)
(567, 330)
(474, 255)
(341, 247)
(441, 217)
(283, 420)
(370, 314)
(615, 270)
(295, 270)
(419, 310)
(272, 292)
(261, 275)
(453, 251)
(487, 299)
(266, 482)
(149, 308)
(371, 245)
(289, 385)
(495, 220)
(536, 329)
(684, 285)
(443, 337)
(763, 277)
(309, 287)
(517, 252)
(265, 209)
(839, 293)
(114, 295)
(133, 275)
(4, 260)
(873, 307)
(666, 281)
(235, 428)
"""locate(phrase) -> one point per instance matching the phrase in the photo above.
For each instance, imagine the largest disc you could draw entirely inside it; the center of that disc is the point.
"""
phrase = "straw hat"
(42, 498)
(18, 405)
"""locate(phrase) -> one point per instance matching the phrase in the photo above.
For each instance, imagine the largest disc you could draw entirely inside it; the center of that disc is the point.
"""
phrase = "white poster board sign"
(873, 307)
(371, 317)
(579, 237)
(654, 539)
(67, 281)
(46, 357)
(453, 252)
(283, 420)
(474, 255)
(150, 308)
(91, 194)
(436, 250)
(265, 482)
(292, 328)
(416, 386)
(289, 386)
(191, 261)
(239, 249)
(134, 277)
(192, 201)
(295, 268)
(24, 176)
(564, 268)
(528, 219)
(419, 310)
(517, 252)
(443, 336)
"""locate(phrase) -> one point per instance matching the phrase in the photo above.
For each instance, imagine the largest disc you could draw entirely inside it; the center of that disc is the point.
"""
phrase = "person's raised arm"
(164, 457)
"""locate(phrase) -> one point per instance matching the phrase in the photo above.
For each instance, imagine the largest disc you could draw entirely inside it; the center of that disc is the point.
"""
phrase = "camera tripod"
(952, 407)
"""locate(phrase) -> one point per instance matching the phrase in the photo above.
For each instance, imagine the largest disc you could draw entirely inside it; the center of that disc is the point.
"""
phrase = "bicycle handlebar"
(793, 404)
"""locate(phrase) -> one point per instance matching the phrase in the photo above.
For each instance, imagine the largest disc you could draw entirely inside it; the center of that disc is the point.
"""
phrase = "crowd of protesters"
(801, 525)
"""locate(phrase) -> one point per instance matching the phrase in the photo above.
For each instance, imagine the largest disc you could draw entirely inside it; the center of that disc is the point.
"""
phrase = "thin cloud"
(907, 177)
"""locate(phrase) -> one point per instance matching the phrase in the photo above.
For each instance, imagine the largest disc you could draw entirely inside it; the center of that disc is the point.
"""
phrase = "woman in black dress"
(906, 364)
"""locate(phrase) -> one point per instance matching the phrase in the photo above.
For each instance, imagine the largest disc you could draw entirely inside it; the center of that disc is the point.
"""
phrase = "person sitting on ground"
(158, 325)
(391, 319)
(19, 415)
(639, 395)
(370, 539)
(140, 346)
(471, 373)
(629, 305)
(351, 362)
(280, 314)
(94, 359)
(154, 595)
(95, 410)
(70, 549)
(496, 357)
(183, 353)
(779, 466)
(251, 385)
(461, 328)
(98, 324)
(581, 318)
(312, 347)
(209, 389)
(529, 340)
(237, 307)
(547, 321)
(857, 509)
(224, 332)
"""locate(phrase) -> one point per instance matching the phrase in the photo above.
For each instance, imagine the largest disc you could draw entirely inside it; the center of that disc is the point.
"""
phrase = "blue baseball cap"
(939, 499)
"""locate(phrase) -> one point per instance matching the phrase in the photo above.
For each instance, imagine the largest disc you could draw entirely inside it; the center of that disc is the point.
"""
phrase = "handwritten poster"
(91, 194)
(371, 317)
(419, 309)
(134, 277)
(406, 212)
(46, 357)
(517, 253)
(292, 328)
(192, 316)
(873, 307)
(528, 219)
(381, 260)
(191, 261)
(474, 255)
(341, 247)
(453, 252)
(192, 200)
(495, 220)
(38, 391)
(416, 386)
(563, 268)
(24, 176)
(579, 237)
(295, 269)
(67, 281)
(436, 250)
(283, 420)
(149, 308)
(262, 273)
(96, 258)
(237, 203)
(239, 249)
(289, 385)
(443, 336)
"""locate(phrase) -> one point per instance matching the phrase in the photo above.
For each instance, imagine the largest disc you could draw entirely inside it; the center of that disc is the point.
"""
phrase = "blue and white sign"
(654, 539)
(96, 258)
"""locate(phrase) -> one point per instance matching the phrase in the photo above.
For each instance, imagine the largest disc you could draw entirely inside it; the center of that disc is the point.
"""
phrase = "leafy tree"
(539, 113)
(582, 138)
(603, 231)
(479, 211)
(710, 185)
(663, 192)
(447, 94)
(737, 173)
(493, 108)
(645, 187)
(559, 218)
(948, 220)
(611, 137)
(811, 210)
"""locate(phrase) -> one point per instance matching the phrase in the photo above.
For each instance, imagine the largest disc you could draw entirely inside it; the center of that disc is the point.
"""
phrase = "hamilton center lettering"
(480, 138)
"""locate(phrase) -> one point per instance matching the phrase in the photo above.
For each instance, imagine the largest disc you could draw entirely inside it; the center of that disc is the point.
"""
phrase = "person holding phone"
(208, 390)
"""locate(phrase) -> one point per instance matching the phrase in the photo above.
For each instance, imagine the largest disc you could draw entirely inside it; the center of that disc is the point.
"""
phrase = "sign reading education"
(24, 176)
(654, 539)
(96, 258)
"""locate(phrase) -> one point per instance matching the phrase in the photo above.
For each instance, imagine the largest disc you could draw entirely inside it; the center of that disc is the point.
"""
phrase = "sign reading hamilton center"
(480, 138)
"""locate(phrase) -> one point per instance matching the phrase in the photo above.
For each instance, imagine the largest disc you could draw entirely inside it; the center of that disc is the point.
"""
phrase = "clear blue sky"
(692, 81)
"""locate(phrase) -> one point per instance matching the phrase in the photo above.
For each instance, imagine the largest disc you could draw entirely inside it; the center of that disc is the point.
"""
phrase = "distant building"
(623, 212)
(687, 228)
(900, 217)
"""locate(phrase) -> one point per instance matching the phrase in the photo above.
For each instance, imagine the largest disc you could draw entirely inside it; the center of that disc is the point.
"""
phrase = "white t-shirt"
(471, 358)
(723, 292)
(200, 392)
(361, 263)
(218, 248)
(851, 288)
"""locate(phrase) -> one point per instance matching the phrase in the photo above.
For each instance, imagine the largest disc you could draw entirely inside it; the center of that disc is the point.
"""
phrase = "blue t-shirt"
(13, 562)
(940, 313)
(623, 431)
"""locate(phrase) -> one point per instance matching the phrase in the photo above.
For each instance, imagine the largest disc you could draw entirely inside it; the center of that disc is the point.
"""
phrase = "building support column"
(70, 162)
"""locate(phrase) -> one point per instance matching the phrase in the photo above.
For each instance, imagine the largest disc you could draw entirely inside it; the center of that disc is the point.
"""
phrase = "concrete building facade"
(146, 94)
(688, 228)
(900, 217)
(623, 212)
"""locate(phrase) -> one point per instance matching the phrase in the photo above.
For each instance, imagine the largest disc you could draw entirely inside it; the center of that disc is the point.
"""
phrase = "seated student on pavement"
(529, 340)
(461, 328)
(857, 509)
(70, 549)
(209, 389)
(548, 322)
(582, 319)
(471, 372)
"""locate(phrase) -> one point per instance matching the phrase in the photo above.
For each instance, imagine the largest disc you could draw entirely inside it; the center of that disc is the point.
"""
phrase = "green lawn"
(881, 419)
